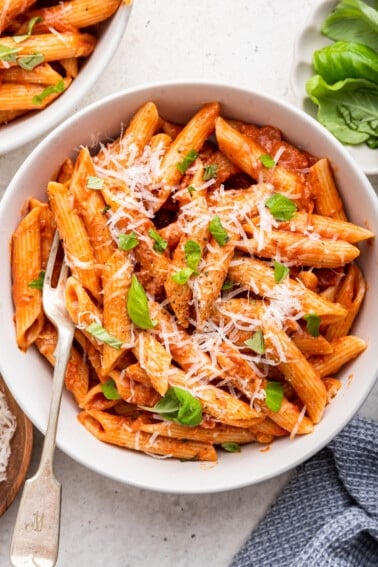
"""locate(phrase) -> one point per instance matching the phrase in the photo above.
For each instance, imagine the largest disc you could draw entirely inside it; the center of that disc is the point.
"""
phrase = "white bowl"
(34, 124)
(309, 40)
(29, 377)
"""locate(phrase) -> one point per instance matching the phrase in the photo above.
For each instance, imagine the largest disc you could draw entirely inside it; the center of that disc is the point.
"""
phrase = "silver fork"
(36, 533)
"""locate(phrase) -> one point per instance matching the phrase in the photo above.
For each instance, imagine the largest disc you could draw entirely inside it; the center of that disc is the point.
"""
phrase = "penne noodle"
(116, 281)
(79, 252)
(205, 314)
(21, 97)
(72, 15)
(344, 350)
(300, 250)
(245, 153)
(52, 47)
(323, 188)
(10, 9)
(26, 269)
(118, 431)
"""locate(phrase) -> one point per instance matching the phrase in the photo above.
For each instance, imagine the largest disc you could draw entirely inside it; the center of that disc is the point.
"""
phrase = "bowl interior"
(29, 377)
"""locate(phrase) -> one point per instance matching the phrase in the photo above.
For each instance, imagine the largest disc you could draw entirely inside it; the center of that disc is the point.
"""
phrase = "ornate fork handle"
(35, 538)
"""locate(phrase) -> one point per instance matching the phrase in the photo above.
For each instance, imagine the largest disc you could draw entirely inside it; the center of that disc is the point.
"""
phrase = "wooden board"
(21, 448)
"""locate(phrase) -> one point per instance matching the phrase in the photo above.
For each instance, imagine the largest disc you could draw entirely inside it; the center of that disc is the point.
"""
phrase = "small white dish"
(26, 128)
(309, 40)
(28, 376)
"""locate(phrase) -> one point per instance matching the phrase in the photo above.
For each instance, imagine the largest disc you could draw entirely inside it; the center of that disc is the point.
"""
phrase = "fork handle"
(62, 356)
(35, 538)
(36, 532)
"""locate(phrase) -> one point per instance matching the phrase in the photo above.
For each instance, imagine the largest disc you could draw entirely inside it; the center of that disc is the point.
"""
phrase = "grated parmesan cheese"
(8, 426)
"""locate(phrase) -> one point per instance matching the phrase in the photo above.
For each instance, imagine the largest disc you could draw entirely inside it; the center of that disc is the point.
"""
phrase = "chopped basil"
(267, 160)
(30, 61)
(256, 342)
(210, 171)
(312, 323)
(105, 209)
(159, 243)
(274, 395)
(137, 305)
(217, 230)
(51, 89)
(182, 276)
(227, 284)
(98, 332)
(109, 390)
(280, 272)
(38, 282)
(31, 24)
(231, 447)
(282, 208)
(94, 182)
(193, 253)
(8, 54)
(180, 406)
(187, 161)
(127, 241)
(191, 189)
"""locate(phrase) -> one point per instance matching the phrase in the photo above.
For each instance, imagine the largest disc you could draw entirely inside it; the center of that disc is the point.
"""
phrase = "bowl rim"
(285, 106)
(26, 128)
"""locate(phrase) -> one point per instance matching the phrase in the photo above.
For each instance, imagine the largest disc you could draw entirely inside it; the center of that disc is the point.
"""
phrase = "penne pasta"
(213, 282)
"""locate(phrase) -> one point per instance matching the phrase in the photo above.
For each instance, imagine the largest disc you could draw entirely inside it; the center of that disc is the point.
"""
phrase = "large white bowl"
(29, 377)
(34, 124)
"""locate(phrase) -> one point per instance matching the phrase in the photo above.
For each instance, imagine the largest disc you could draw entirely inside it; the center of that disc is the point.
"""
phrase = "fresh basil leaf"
(137, 305)
(30, 61)
(38, 282)
(353, 20)
(227, 284)
(159, 243)
(51, 89)
(31, 24)
(280, 272)
(231, 447)
(267, 160)
(274, 395)
(187, 161)
(193, 252)
(101, 334)
(109, 390)
(105, 209)
(127, 241)
(8, 54)
(343, 60)
(210, 172)
(256, 342)
(348, 109)
(282, 208)
(180, 406)
(94, 182)
(191, 189)
(182, 276)
(217, 230)
(312, 323)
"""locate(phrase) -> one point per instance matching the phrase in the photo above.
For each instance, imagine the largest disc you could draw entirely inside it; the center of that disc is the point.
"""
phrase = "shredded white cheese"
(8, 426)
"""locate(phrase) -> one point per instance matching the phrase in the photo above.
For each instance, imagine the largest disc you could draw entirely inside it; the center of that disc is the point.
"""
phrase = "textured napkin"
(328, 513)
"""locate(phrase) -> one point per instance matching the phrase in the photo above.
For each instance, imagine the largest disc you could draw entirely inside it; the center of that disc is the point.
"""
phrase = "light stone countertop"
(245, 42)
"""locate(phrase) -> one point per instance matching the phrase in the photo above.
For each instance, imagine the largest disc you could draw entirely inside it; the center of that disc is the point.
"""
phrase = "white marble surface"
(246, 42)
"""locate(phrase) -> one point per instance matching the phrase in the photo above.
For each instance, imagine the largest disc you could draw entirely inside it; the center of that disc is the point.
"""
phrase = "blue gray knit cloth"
(327, 516)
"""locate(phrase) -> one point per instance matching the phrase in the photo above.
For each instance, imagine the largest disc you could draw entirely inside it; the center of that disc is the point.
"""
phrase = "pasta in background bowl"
(70, 83)
(29, 376)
